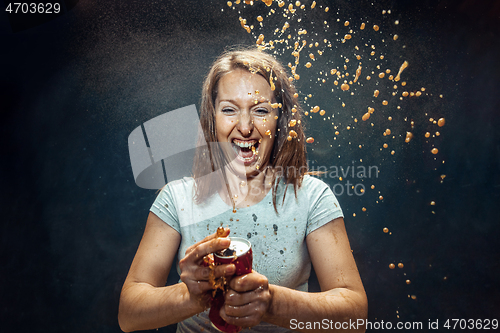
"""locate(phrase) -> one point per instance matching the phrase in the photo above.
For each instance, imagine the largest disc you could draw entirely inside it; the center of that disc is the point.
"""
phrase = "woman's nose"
(245, 124)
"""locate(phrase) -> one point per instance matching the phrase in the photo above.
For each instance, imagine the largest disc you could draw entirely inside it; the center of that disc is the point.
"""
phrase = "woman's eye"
(261, 111)
(227, 110)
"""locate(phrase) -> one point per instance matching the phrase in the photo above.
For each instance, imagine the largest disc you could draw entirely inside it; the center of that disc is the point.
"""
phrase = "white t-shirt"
(278, 240)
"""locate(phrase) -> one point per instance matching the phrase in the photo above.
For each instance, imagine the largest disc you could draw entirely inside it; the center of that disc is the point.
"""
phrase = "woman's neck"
(245, 191)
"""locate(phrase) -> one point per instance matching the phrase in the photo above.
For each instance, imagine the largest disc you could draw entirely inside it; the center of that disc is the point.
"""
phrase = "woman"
(243, 177)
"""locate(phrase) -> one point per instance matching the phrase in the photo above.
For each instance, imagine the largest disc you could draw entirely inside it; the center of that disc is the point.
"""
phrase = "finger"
(206, 239)
(225, 270)
(248, 282)
(251, 318)
(246, 310)
(205, 248)
(202, 273)
(235, 298)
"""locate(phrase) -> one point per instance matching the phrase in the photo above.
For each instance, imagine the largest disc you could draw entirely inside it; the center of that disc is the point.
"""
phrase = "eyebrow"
(234, 102)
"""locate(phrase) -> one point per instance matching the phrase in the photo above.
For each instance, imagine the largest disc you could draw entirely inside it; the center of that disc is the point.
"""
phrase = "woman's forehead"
(242, 82)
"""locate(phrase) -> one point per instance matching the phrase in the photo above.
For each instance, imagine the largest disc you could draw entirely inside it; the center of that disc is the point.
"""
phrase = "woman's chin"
(245, 166)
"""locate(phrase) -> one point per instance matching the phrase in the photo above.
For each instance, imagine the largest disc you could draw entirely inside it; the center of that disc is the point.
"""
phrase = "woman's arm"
(342, 299)
(145, 302)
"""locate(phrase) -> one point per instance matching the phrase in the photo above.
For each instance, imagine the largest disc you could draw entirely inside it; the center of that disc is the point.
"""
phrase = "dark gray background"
(73, 88)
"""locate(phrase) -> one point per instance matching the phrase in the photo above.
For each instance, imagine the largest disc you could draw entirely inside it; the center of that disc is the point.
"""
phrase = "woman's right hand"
(196, 275)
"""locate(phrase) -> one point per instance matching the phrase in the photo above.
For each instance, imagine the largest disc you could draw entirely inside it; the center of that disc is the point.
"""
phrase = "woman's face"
(245, 119)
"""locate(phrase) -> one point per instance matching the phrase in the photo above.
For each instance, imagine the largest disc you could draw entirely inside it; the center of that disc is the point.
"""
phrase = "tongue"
(246, 152)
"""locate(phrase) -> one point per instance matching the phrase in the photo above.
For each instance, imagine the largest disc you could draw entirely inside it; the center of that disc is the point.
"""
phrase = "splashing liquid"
(336, 51)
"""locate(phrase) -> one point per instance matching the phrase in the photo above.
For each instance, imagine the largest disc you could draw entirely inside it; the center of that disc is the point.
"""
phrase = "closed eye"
(228, 110)
(261, 111)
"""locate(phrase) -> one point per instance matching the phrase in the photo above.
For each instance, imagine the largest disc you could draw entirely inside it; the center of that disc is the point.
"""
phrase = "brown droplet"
(392, 266)
(315, 109)
(401, 69)
(375, 93)
(434, 151)
(400, 265)
(408, 281)
(381, 198)
(385, 230)
(366, 116)
(362, 26)
(310, 140)
(344, 86)
(363, 209)
(292, 133)
(220, 231)
(441, 122)
(409, 136)
(376, 27)
(433, 203)
(292, 123)
(322, 113)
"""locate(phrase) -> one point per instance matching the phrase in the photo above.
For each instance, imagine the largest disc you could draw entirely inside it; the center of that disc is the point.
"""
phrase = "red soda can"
(240, 254)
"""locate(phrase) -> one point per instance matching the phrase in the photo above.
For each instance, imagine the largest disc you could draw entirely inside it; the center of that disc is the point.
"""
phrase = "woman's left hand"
(247, 300)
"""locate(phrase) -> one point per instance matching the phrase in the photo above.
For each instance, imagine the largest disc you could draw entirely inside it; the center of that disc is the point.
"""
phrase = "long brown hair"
(288, 156)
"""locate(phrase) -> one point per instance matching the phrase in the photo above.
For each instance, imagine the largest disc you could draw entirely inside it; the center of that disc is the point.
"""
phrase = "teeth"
(244, 144)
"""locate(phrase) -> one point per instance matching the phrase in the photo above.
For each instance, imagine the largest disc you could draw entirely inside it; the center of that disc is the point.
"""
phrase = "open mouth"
(246, 151)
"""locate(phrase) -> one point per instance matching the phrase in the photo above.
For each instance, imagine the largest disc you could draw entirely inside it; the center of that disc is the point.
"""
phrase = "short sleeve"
(164, 208)
(323, 205)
